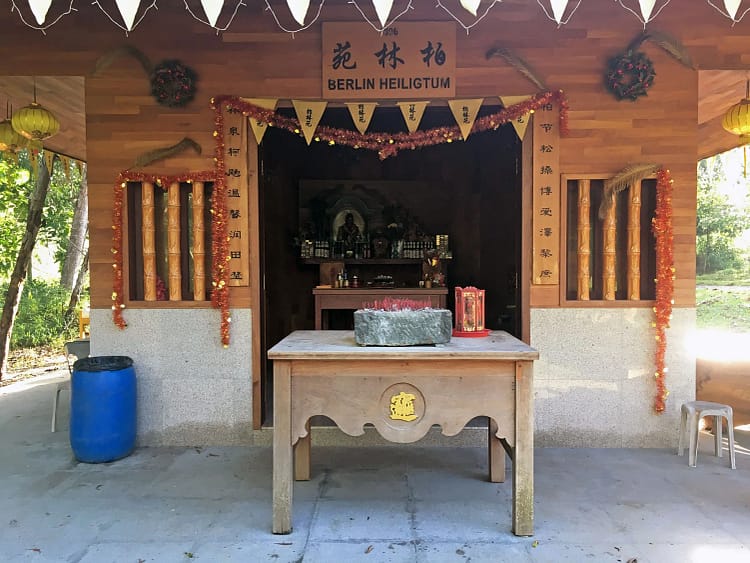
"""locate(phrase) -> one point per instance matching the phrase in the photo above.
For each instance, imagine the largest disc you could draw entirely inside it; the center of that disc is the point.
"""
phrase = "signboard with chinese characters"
(546, 196)
(408, 60)
(235, 166)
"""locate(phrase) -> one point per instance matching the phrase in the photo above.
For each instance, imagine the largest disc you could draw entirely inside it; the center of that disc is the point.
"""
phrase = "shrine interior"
(470, 191)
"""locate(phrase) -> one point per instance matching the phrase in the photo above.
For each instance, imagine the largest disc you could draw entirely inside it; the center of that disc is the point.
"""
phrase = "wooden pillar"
(610, 253)
(173, 242)
(634, 242)
(149, 242)
(584, 239)
(199, 250)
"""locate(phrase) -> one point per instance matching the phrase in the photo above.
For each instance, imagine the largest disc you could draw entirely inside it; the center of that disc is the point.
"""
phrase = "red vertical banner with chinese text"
(235, 159)
(545, 262)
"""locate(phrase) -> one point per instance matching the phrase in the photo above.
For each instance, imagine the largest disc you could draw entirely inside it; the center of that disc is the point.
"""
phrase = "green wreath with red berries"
(173, 84)
(629, 75)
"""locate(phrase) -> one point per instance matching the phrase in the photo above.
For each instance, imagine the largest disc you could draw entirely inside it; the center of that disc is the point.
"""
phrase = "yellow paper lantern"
(35, 122)
(737, 120)
(10, 140)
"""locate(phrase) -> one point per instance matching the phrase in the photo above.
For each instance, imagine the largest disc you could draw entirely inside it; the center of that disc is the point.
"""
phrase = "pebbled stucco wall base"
(191, 390)
(594, 381)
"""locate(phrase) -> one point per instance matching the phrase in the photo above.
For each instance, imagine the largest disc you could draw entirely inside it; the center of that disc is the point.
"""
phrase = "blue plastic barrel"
(102, 408)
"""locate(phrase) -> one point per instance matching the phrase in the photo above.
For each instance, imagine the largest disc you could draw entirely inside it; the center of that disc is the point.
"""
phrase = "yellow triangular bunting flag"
(412, 112)
(259, 128)
(309, 114)
(361, 114)
(65, 162)
(465, 112)
(34, 161)
(49, 160)
(79, 167)
(520, 123)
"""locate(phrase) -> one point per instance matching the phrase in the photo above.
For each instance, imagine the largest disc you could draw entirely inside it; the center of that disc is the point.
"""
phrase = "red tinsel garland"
(663, 231)
(389, 144)
(385, 144)
(219, 295)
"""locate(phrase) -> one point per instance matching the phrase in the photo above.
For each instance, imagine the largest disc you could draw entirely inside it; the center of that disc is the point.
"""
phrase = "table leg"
(302, 456)
(523, 458)
(282, 447)
(318, 317)
(496, 454)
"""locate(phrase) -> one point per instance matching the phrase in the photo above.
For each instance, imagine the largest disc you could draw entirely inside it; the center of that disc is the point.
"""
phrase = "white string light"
(462, 24)
(293, 31)
(730, 11)
(554, 17)
(387, 24)
(644, 19)
(42, 28)
(135, 23)
(240, 3)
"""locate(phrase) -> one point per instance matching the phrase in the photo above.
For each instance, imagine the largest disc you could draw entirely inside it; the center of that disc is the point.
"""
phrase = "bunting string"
(386, 144)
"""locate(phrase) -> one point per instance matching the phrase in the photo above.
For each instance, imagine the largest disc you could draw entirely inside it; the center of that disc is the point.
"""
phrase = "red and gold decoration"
(173, 83)
(390, 144)
(469, 312)
(219, 295)
(663, 231)
(629, 75)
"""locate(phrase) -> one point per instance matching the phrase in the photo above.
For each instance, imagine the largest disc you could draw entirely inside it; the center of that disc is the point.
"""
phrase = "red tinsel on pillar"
(220, 240)
(163, 181)
(663, 231)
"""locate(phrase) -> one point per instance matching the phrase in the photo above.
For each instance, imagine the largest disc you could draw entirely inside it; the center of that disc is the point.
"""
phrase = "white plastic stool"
(695, 410)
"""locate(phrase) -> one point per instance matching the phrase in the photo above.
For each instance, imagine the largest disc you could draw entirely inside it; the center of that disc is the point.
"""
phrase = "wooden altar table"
(327, 298)
(403, 391)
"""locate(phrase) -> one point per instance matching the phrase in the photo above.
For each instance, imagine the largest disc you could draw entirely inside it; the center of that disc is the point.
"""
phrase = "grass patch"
(723, 308)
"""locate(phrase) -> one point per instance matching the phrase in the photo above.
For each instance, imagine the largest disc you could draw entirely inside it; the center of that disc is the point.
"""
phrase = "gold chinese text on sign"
(546, 195)
(414, 60)
(402, 407)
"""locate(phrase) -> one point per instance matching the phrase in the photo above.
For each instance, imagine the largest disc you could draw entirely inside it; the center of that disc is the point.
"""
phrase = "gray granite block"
(374, 327)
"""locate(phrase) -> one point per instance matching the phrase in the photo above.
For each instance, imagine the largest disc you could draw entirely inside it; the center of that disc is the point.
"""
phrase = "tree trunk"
(18, 277)
(76, 292)
(77, 242)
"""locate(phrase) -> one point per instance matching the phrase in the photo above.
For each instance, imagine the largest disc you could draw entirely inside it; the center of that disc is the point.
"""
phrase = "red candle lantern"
(470, 312)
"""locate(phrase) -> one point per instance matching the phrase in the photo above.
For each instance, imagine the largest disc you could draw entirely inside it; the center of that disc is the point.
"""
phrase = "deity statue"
(348, 233)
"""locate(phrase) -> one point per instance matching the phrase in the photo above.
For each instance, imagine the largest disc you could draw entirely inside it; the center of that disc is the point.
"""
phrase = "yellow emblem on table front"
(402, 407)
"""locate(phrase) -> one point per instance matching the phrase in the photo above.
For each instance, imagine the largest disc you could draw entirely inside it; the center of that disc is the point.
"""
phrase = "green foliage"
(16, 186)
(15, 190)
(726, 308)
(719, 223)
(40, 316)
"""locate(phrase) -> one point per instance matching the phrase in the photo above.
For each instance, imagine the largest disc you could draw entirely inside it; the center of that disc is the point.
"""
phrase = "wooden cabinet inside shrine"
(350, 284)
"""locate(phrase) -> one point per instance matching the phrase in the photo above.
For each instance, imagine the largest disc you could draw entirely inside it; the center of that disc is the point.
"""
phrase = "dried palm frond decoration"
(669, 44)
(630, 74)
(516, 62)
(156, 155)
(173, 84)
(626, 177)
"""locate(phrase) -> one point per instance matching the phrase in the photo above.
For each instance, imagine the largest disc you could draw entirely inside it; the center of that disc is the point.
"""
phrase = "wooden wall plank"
(123, 121)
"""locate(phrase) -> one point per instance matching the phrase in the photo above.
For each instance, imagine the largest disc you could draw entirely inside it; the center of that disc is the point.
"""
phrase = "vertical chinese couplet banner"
(546, 196)
(235, 145)
(414, 60)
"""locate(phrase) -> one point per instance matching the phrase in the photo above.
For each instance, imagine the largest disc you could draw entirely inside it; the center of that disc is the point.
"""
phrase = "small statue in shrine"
(348, 233)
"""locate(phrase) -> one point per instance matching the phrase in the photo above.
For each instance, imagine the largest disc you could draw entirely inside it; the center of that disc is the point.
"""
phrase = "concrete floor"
(373, 504)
